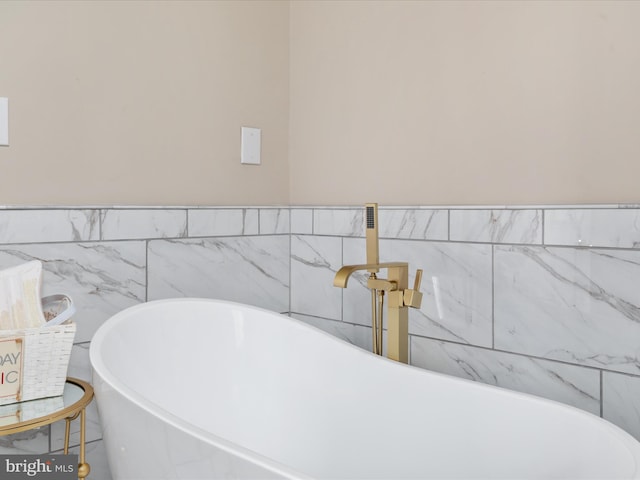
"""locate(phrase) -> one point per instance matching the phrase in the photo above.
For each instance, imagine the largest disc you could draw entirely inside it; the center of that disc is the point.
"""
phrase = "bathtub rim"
(631, 445)
(98, 367)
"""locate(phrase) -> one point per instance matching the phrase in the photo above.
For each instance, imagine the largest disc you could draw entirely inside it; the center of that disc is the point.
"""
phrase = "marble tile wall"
(108, 259)
(539, 299)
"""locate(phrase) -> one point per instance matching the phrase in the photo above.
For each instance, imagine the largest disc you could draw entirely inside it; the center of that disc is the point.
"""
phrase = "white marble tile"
(251, 221)
(136, 224)
(29, 442)
(417, 224)
(314, 262)
(301, 221)
(211, 222)
(354, 334)
(344, 222)
(96, 457)
(79, 367)
(252, 270)
(274, 221)
(497, 226)
(34, 226)
(577, 386)
(93, 429)
(405, 223)
(593, 227)
(456, 286)
(575, 305)
(102, 278)
(621, 401)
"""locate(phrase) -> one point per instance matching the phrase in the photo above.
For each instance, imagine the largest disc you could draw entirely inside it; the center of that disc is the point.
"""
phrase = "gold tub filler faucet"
(400, 296)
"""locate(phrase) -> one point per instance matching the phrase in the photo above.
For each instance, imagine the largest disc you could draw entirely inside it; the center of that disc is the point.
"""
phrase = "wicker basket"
(34, 361)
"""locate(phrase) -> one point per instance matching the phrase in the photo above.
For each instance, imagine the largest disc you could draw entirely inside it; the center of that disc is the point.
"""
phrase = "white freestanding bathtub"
(203, 389)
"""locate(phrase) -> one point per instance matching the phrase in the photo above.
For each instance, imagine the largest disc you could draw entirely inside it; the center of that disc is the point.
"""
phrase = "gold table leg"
(67, 427)
(83, 467)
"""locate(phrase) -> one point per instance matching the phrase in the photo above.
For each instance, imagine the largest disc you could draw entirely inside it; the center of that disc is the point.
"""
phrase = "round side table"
(22, 416)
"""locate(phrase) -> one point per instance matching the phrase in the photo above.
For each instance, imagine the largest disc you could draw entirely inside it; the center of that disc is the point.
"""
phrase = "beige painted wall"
(465, 102)
(142, 102)
(418, 102)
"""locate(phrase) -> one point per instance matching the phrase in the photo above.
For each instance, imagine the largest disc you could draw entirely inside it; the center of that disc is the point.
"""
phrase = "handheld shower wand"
(371, 232)
(373, 258)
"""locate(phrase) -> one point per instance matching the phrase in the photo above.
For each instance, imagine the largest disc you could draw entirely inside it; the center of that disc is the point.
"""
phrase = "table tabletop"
(21, 416)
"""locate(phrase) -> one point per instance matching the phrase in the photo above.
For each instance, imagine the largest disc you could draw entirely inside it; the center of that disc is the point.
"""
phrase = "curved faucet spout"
(342, 276)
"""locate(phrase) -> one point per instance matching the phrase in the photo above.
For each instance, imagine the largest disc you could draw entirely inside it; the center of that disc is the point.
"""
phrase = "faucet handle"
(413, 296)
(418, 280)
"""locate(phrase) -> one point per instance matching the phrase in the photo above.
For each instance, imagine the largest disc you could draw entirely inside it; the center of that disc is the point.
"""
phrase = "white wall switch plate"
(250, 146)
(4, 121)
